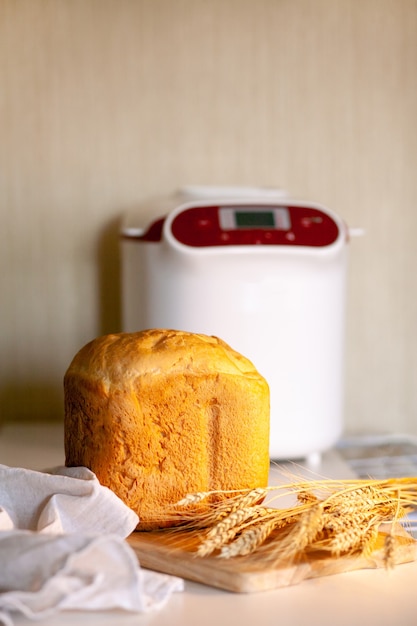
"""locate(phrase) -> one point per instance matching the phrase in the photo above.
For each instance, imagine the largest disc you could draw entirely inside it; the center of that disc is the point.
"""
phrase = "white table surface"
(371, 597)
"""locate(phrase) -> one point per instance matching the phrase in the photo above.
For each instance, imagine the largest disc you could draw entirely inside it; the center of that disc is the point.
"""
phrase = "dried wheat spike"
(249, 540)
(238, 517)
(192, 498)
(306, 497)
(248, 499)
(348, 540)
(369, 540)
(349, 501)
(336, 523)
(227, 528)
(390, 550)
(210, 544)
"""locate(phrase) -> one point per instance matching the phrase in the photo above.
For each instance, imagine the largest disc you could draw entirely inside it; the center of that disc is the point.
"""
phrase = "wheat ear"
(249, 540)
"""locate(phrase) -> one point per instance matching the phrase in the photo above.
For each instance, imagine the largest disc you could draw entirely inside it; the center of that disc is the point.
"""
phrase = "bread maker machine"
(265, 273)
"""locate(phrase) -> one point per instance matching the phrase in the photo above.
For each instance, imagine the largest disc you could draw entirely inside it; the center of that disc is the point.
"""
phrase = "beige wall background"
(104, 103)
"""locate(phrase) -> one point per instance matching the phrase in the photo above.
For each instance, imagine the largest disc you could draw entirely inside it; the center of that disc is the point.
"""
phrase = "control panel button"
(203, 222)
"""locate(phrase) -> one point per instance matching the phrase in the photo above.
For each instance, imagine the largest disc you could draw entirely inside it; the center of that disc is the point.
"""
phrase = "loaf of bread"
(159, 414)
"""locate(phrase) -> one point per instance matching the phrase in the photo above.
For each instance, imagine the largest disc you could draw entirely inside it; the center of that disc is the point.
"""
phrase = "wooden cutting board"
(174, 553)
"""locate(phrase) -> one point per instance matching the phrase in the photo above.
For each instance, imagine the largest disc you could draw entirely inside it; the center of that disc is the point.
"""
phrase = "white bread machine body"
(269, 278)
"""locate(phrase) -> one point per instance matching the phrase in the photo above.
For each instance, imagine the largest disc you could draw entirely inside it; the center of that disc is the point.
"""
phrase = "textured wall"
(106, 102)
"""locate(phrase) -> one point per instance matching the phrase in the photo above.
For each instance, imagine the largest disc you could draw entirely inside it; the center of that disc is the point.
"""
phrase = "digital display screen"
(258, 219)
(254, 217)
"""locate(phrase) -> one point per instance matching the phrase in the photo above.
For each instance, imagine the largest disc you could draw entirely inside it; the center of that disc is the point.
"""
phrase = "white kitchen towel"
(62, 547)
(62, 500)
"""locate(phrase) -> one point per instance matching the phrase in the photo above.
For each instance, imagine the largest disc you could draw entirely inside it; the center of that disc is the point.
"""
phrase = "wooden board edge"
(240, 576)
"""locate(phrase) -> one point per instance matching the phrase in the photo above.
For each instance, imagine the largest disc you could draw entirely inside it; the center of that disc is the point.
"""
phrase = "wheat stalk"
(369, 540)
(304, 532)
(228, 527)
(249, 540)
(390, 546)
(348, 539)
(340, 517)
(306, 497)
(193, 498)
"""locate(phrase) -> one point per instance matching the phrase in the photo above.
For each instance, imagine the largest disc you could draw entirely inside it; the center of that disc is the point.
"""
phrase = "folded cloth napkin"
(62, 547)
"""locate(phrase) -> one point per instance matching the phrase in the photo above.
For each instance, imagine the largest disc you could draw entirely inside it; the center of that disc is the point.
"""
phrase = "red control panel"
(235, 225)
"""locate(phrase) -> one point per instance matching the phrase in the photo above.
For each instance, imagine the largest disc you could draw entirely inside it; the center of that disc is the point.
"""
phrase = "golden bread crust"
(161, 413)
